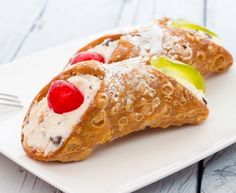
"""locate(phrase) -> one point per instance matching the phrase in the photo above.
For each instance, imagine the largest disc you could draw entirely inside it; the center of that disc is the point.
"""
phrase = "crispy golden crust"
(131, 98)
(205, 55)
(180, 44)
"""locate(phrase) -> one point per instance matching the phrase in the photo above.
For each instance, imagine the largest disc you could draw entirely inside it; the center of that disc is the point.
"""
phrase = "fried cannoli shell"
(131, 98)
(187, 46)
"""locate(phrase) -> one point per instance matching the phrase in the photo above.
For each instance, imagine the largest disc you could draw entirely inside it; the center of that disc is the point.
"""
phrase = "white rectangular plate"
(126, 164)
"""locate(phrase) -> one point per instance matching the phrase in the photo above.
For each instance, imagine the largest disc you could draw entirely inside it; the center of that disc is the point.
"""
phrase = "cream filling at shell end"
(196, 92)
(105, 50)
(47, 130)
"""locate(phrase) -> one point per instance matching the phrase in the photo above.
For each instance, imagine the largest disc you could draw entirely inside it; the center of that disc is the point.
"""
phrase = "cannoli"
(176, 39)
(92, 104)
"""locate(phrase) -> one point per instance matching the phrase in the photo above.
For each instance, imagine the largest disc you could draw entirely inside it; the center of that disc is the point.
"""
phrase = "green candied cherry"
(179, 70)
(181, 23)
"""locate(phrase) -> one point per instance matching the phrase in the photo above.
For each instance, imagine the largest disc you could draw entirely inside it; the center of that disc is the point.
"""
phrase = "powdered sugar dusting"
(124, 74)
(136, 74)
(148, 39)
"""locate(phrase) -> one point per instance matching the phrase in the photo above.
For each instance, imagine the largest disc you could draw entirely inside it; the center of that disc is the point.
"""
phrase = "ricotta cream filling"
(196, 92)
(104, 49)
(47, 130)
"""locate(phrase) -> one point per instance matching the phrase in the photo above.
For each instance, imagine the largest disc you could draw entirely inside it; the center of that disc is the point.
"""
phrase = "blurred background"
(28, 26)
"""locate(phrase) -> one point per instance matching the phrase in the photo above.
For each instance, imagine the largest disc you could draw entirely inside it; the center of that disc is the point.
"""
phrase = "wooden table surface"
(29, 26)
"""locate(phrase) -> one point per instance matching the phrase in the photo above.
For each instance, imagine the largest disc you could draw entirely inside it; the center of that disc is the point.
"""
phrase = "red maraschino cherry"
(83, 56)
(64, 97)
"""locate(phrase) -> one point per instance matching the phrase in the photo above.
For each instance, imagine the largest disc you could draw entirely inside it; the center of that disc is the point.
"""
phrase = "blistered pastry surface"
(133, 96)
(188, 46)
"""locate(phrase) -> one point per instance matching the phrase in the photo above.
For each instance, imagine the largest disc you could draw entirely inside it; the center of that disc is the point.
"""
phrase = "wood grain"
(184, 181)
(219, 170)
(14, 179)
(17, 20)
(137, 12)
(220, 18)
(63, 22)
